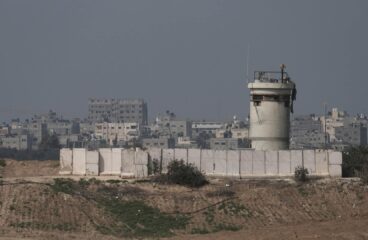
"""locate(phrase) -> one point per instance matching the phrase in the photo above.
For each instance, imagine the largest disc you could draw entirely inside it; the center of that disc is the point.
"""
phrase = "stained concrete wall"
(66, 161)
(92, 160)
(231, 163)
(79, 161)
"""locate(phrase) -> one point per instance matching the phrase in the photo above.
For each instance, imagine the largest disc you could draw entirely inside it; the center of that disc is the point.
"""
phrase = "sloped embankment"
(94, 210)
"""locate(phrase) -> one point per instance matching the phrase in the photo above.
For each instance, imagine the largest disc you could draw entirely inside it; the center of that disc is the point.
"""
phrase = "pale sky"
(186, 56)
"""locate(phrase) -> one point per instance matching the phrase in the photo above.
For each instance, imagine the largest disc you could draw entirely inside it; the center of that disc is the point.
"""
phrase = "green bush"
(301, 174)
(185, 174)
(355, 163)
(2, 163)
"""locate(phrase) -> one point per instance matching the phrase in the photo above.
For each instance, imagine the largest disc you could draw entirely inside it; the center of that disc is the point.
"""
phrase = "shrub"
(355, 163)
(301, 174)
(2, 163)
(185, 174)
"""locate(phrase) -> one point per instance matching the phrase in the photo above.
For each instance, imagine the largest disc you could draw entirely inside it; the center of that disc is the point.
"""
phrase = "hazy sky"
(187, 56)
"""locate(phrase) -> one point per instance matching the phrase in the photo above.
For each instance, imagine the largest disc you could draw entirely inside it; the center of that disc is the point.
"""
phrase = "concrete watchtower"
(271, 100)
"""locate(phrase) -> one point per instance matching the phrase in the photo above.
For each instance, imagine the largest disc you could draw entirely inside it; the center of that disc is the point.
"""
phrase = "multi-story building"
(208, 128)
(19, 142)
(117, 110)
(306, 133)
(168, 126)
(162, 142)
(352, 134)
(117, 133)
(224, 143)
(334, 119)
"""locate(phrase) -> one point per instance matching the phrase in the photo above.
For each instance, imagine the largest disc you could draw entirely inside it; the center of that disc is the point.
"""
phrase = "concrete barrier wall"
(79, 161)
(66, 161)
(232, 163)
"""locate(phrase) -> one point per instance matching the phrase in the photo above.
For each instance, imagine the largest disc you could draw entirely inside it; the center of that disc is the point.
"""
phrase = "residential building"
(117, 110)
(352, 134)
(169, 126)
(207, 128)
(117, 133)
(224, 143)
(19, 142)
(306, 133)
(162, 142)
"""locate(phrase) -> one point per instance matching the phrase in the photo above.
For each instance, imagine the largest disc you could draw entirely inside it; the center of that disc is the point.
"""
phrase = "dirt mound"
(19, 169)
(34, 207)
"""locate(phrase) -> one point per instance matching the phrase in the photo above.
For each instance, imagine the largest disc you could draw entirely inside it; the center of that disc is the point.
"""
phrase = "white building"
(120, 132)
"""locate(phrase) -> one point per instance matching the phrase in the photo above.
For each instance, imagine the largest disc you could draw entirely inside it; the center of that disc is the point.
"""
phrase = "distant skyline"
(188, 56)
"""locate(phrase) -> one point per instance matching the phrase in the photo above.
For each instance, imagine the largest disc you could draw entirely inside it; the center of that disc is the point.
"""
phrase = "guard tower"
(272, 95)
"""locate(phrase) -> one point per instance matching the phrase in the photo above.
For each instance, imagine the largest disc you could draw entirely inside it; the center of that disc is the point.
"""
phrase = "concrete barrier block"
(181, 154)
(219, 165)
(233, 168)
(285, 163)
(246, 163)
(335, 170)
(259, 163)
(141, 158)
(335, 157)
(105, 161)
(116, 157)
(92, 157)
(141, 171)
(272, 167)
(309, 161)
(296, 157)
(167, 157)
(207, 161)
(321, 162)
(92, 169)
(79, 161)
(154, 154)
(194, 157)
(127, 163)
(66, 161)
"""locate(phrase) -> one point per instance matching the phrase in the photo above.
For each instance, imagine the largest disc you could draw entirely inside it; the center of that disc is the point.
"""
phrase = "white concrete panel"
(105, 161)
(284, 163)
(116, 161)
(246, 163)
(141, 158)
(127, 163)
(219, 158)
(309, 161)
(141, 171)
(259, 163)
(92, 169)
(155, 153)
(92, 157)
(335, 157)
(207, 161)
(66, 161)
(296, 157)
(272, 163)
(233, 158)
(321, 162)
(181, 154)
(167, 157)
(79, 161)
(335, 170)
(194, 157)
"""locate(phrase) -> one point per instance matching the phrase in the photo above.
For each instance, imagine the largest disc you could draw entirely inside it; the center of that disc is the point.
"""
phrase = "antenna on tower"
(248, 63)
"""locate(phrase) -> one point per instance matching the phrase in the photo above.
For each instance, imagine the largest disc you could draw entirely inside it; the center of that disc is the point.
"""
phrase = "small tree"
(185, 174)
(301, 174)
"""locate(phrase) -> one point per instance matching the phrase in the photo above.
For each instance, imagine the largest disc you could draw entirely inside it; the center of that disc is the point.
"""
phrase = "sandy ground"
(325, 209)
